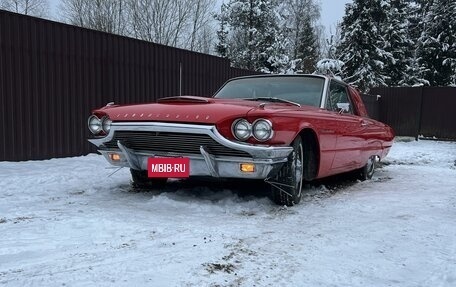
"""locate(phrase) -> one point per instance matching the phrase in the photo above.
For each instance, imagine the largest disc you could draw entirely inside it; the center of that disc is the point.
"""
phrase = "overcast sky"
(332, 12)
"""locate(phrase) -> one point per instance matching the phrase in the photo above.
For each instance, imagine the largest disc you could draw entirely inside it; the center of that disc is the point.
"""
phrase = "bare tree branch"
(37, 8)
(179, 23)
(102, 15)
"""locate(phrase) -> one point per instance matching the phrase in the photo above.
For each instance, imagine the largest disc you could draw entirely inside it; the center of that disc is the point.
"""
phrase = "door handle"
(364, 123)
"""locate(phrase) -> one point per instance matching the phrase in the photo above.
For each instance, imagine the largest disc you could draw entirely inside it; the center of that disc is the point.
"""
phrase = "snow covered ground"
(65, 222)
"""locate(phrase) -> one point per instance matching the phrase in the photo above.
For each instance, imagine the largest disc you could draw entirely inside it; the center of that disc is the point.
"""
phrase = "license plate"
(168, 167)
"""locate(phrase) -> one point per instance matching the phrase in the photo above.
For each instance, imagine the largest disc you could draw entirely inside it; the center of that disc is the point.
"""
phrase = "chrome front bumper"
(267, 159)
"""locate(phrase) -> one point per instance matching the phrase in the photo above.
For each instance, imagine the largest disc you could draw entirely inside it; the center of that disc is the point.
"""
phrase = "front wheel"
(286, 187)
(141, 180)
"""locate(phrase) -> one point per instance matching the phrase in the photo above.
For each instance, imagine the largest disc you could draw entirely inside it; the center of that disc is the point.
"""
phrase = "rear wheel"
(141, 180)
(287, 185)
(367, 171)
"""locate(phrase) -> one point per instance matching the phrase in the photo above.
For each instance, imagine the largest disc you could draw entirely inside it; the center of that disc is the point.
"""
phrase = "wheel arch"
(311, 148)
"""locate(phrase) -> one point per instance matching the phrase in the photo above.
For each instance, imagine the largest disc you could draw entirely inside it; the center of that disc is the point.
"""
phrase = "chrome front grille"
(171, 143)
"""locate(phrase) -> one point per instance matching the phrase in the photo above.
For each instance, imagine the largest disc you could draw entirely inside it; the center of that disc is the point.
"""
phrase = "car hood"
(189, 109)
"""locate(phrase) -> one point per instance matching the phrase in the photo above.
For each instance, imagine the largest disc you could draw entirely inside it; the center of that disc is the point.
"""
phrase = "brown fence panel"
(438, 118)
(372, 104)
(53, 74)
(427, 111)
(400, 108)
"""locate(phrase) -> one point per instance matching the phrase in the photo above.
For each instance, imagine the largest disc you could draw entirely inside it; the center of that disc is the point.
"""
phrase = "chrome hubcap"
(297, 167)
(371, 166)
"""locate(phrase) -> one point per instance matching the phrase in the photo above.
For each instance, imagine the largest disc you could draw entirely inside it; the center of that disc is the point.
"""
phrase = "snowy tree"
(222, 47)
(438, 50)
(361, 44)
(399, 43)
(330, 67)
(414, 73)
(330, 62)
(250, 36)
(413, 70)
(27, 7)
(417, 11)
(308, 47)
(396, 41)
(301, 18)
(329, 46)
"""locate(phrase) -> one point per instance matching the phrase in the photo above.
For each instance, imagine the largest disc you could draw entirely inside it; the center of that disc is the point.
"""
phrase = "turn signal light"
(247, 167)
(114, 156)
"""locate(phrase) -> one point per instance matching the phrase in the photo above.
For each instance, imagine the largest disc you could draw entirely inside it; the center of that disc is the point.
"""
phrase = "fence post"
(420, 114)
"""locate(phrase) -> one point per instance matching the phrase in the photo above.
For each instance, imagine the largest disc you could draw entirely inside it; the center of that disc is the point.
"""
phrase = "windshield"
(302, 90)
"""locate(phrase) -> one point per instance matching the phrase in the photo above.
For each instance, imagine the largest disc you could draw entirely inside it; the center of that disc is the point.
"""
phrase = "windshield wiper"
(272, 99)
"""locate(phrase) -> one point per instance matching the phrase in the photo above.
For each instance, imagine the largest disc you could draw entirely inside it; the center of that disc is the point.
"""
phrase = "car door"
(371, 133)
(348, 127)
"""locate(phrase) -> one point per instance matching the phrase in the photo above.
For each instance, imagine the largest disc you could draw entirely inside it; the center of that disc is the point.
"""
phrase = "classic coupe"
(287, 130)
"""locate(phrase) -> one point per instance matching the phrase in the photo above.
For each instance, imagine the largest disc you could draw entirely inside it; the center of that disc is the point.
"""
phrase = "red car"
(284, 129)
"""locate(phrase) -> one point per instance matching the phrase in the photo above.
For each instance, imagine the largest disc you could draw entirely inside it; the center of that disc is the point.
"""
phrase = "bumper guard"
(267, 159)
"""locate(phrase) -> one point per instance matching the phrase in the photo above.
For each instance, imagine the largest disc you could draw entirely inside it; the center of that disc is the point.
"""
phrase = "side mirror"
(343, 107)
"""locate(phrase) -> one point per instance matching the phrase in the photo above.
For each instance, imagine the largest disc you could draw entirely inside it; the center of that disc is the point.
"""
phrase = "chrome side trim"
(324, 97)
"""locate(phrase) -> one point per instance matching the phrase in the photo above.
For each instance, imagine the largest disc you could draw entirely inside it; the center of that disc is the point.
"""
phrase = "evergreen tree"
(414, 73)
(397, 41)
(300, 18)
(361, 44)
(250, 36)
(222, 34)
(438, 50)
(415, 12)
(307, 49)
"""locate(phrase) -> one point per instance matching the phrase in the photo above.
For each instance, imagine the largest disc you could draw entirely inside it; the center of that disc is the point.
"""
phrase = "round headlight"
(95, 125)
(262, 130)
(242, 129)
(106, 124)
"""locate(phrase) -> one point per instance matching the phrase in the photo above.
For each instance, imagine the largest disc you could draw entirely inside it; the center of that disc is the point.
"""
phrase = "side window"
(338, 99)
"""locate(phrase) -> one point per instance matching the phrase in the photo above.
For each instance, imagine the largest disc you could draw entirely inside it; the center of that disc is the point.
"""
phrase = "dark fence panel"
(438, 117)
(372, 106)
(400, 108)
(53, 74)
(427, 111)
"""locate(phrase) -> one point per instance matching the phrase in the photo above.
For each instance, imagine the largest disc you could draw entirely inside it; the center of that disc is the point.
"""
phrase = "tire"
(286, 187)
(367, 171)
(141, 180)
